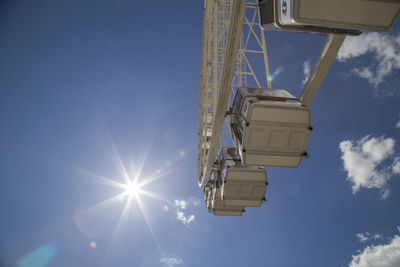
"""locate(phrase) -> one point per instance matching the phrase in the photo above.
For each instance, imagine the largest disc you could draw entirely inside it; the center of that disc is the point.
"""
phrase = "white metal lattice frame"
(224, 67)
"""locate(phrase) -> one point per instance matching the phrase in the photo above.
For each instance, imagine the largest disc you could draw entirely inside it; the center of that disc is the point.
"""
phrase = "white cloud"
(361, 160)
(171, 261)
(364, 237)
(398, 228)
(306, 70)
(183, 209)
(385, 193)
(365, 73)
(195, 201)
(185, 220)
(385, 49)
(396, 166)
(380, 255)
(398, 123)
(180, 203)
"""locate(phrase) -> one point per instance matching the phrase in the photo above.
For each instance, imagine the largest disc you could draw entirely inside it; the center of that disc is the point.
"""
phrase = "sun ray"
(104, 204)
(131, 182)
(115, 157)
(124, 214)
(156, 177)
(119, 163)
(155, 196)
(107, 181)
(121, 221)
(146, 218)
(138, 172)
(98, 178)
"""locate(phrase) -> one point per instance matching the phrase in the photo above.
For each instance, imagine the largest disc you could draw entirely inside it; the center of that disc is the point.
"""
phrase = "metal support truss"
(321, 67)
(230, 32)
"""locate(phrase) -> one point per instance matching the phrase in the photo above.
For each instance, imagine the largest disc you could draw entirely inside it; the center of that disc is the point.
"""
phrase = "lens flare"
(93, 244)
(40, 256)
(276, 73)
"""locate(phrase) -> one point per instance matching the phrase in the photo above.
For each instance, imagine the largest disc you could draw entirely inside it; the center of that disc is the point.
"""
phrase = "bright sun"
(132, 189)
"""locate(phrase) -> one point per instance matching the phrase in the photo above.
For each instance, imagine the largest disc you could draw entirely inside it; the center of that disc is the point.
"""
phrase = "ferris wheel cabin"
(329, 16)
(221, 208)
(269, 127)
(241, 185)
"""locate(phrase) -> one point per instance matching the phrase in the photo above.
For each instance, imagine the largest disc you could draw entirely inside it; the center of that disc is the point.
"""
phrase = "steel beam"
(237, 11)
(321, 67)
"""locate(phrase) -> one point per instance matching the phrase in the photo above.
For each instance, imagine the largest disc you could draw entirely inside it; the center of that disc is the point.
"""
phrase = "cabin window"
(238, 99)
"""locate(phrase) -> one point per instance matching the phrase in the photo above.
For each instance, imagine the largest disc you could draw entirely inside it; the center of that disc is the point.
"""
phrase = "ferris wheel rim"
(220, 90)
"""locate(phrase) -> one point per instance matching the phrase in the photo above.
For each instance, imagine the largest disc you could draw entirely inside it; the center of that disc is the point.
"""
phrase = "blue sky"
(89, 86)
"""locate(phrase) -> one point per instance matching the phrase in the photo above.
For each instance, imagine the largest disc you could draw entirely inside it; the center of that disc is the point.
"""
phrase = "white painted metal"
(222, 29)
(276, 15)
(220, 208)
(241, 185)
(375, 15)
(327, 16)
(224, 53)
(321, 68)
(270, 127)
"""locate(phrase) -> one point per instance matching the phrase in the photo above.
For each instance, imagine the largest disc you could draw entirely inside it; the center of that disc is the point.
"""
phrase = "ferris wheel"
(237, 105)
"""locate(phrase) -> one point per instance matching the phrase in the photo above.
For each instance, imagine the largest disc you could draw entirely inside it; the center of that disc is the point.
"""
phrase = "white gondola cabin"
(329, 16)
(269, 127)
(241, 185)
(220, 208)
